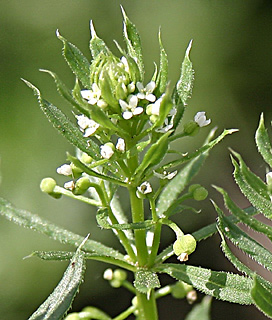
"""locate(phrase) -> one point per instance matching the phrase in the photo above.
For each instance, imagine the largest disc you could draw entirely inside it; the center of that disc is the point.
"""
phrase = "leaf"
(243, 241)
(34, 222)
(184, 85)
(66, 255)
(201, 311)
(133, 42)
(172, 190)
(165, 107)
(146, 280)
(79, 64)
(262, 297)
(263, 142)
(221, 285)
(60, 300)
(97, 45)
(253, 223)
(254, 189)
(206, 147)
(154, 155)
(66, 93)
(162, 77)
(65, 126)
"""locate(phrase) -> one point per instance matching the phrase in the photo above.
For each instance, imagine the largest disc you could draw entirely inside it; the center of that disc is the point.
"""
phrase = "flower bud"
(180, 290)
(47, 185)
(107, 150)
(191, 128)
(81, 186)
(183, 246)
(269, 181)
(199, 193)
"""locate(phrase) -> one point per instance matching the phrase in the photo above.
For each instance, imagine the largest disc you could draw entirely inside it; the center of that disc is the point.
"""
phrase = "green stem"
(147, 306)
(126, 313)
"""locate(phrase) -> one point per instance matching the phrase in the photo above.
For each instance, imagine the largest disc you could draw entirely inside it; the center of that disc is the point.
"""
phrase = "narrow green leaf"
(221, 285)
(60, 300)
(66, 255)
(263, 142)
(154, 154)
(201, 311)
(254, 189)
(79, 64)
(146, 280)
(184, 85)
(262, 297)
(206, 147)
(66, 93)
(34, 222)
(253, 223)
(97, 45)
(172, 190)
(65, 126)
(162, 77)
(165, 107)
(133, 42)
(243, 241)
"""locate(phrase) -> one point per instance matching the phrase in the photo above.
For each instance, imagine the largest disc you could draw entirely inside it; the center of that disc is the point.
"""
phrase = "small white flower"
(183, 257)
(93, 96)
(106, 151)
(70, 185)
(201, 120)
(146, 92)
(269, 178)
(145, 188)
(130, 108)
(120, 145)
(108, 274)
(166, 175)
(65, 169)
(87, 125)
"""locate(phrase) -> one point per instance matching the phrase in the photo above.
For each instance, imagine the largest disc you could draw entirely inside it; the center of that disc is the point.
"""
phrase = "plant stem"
(147, 307)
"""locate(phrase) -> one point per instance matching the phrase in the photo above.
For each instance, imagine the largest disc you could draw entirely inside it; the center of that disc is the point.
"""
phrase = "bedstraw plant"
(122, 126)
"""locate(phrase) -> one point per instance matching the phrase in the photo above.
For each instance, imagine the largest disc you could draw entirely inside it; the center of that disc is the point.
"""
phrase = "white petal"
(123, 104)
(127, 115)
(86, 94)
(140, 86)
(141, 95)
(120, 145)
(137, 111)
(132, 101)
(150, 97)
(65, 169)
(150, 86)
(106, 152)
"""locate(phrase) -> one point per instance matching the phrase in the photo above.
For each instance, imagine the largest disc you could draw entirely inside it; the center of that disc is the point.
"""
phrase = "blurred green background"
(232, 53)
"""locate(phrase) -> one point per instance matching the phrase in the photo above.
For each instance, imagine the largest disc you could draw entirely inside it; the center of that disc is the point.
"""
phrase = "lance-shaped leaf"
(201, 310)
(162, 77)
(133, 42)
(66, 255)
(60, 300)
(31, 221)
(239, 238)
(65, 126)
(97, 45)
(252, 187)
(262, 297)
(263, 142)
(221, 285)
(154, 155)
(79, 64)
(165, 106)
(172, 190)
(250, 221)
(146, 280)
(184, 85)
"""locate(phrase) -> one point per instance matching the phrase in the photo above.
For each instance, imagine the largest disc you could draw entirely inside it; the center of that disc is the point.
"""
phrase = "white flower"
(146, 92)
(65, 169)
(201, 120)
(108, 274)
(130, 108)
(107, 150)
(145, 188)
(269, 178)
(93, 96)
(166, 175)
(70, 185)
(120, 145)
(87, 125)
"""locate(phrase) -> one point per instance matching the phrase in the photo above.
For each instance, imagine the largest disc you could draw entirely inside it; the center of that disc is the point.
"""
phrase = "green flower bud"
(72, 316)
(180, 290)
(82, 185)
(191, 128)
(85, 158)
(199, 193)
(121, 91)
(185, 244)
(119, 274)
(47, 185)
(153, 118)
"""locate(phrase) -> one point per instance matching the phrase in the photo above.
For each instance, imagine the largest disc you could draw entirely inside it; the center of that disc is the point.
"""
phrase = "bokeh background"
(232, 53)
